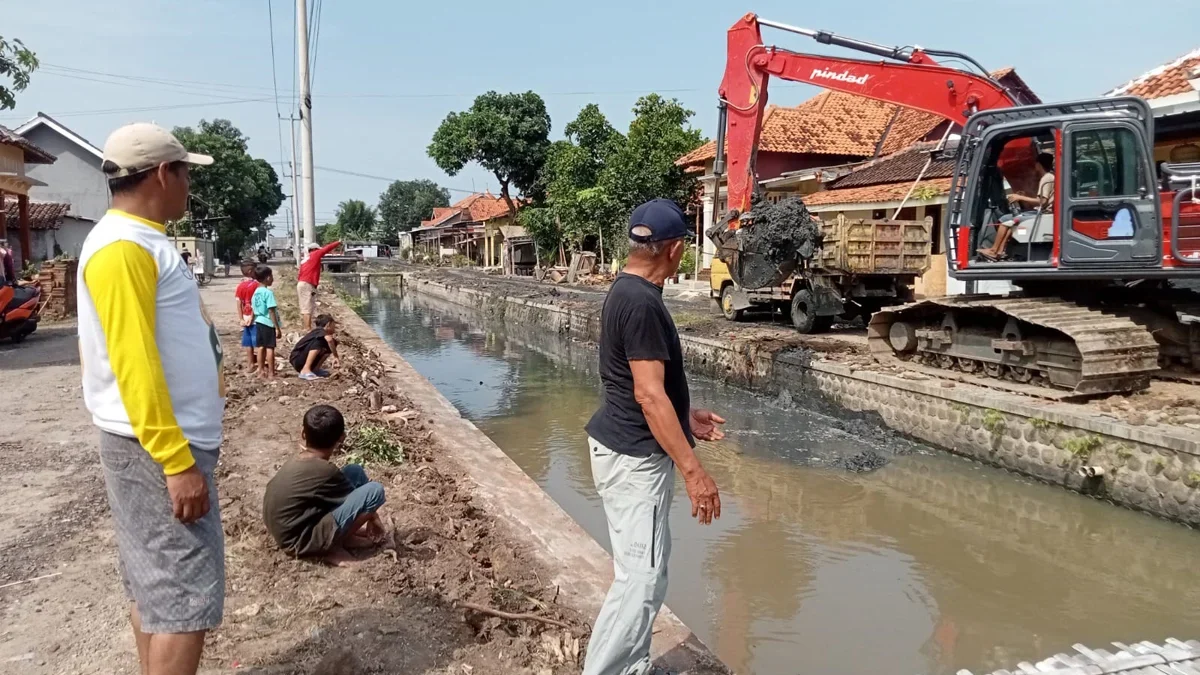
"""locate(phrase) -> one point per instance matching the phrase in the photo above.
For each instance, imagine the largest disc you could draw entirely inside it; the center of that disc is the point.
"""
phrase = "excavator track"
(1036, 345)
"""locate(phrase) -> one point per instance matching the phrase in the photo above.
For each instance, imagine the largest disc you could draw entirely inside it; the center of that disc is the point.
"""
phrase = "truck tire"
(804, 317)
(726, 303)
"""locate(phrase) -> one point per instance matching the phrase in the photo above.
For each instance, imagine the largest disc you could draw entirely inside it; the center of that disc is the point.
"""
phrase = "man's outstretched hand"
(702, 490)
(189, 494)
(705, 425)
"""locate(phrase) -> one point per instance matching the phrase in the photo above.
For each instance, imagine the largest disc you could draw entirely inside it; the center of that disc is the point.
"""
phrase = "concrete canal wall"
(1153, 469)
(583, 570)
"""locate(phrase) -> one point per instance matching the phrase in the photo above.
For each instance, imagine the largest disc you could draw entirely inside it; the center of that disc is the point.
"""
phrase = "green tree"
(506, 134)
(355, 222)
(231, 199)
(16, 64)
(405, 203)
(594, 178)
(643, 168)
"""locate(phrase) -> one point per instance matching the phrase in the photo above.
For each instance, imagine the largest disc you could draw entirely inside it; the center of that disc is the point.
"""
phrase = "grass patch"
(1082, 447)
(1040, 424)
(1194, 477)
(994, 422)
(372, 444)
(354, 302)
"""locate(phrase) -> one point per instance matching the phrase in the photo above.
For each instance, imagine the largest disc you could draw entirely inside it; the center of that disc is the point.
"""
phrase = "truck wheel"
(803, 312)
(727, 305)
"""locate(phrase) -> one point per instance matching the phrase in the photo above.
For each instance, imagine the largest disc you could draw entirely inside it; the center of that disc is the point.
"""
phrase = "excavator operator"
(1042, 203)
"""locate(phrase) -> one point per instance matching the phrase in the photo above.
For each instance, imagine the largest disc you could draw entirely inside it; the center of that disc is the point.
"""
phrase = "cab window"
(1106, 163)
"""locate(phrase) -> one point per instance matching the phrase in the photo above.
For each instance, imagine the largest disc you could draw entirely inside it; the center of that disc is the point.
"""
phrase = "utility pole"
(306, 150)
(296, 246)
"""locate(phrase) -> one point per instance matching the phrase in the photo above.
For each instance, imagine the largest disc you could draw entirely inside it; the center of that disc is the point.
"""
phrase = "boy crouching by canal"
(311, 351)
(314, 509)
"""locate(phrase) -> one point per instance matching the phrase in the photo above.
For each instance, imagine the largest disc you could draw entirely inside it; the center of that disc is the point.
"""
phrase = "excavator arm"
(916, 81)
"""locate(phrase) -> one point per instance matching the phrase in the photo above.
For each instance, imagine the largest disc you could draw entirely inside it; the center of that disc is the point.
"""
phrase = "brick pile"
(57, 279)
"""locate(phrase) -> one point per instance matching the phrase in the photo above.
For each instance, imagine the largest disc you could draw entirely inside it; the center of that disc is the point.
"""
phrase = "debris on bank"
(450, 591)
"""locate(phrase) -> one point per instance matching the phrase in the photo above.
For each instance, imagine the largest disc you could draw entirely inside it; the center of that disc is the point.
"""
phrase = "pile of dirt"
(772, 240)
(1164, 403)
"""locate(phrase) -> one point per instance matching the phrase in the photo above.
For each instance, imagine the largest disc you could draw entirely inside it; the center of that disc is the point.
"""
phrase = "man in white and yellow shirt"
(152, 381)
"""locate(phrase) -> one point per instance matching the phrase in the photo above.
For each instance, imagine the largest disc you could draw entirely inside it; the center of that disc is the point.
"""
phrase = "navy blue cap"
(664, 218)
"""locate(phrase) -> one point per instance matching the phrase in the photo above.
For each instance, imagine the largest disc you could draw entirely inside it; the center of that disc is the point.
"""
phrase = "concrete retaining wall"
(582, 569)
(1154, 469)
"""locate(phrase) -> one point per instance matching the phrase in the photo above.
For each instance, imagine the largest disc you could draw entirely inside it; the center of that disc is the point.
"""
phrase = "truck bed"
(858, 246)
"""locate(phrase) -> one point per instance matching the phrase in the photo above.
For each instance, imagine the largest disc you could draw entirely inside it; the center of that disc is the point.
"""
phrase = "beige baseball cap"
(139, 147)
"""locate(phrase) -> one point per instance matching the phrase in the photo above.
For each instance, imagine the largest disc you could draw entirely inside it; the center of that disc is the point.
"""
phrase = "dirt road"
(394, 612)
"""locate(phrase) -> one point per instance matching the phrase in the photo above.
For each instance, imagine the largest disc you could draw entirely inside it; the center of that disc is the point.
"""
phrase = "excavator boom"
(915, 80)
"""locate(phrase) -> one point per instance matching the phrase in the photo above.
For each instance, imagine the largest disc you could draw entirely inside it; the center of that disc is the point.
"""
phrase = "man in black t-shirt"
(311, 351)
(644, 428)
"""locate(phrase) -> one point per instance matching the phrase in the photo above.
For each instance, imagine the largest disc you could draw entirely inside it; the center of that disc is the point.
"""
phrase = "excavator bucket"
(770, 242)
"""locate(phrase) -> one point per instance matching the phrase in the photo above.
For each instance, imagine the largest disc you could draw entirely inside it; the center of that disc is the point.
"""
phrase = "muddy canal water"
(926, 565)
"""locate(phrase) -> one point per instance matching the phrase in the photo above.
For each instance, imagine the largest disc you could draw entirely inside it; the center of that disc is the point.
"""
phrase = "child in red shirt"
(244, 292)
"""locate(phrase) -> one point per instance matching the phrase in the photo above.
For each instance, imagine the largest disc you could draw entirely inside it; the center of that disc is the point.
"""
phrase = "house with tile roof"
(1173, 92)
(75, 179)
(16, 154)
(477, 227)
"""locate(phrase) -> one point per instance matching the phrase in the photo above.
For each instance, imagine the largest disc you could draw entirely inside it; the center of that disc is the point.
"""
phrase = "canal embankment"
(1152, 468)
(944, 562)
(576, 566)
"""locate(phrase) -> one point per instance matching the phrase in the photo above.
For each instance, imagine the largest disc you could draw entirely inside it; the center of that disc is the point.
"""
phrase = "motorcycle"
(20, 309)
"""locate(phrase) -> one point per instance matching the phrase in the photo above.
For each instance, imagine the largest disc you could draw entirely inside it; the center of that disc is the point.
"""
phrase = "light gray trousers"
(636, 492)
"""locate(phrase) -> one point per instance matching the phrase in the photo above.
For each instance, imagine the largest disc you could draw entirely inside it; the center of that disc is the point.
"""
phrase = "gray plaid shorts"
(174, 573)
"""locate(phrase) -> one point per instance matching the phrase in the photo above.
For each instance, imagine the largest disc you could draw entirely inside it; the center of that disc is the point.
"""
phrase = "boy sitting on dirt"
(311, 351)
(311, 507)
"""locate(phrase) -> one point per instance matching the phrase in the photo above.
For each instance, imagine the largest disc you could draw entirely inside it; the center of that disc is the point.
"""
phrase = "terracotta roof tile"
(832, 123)
(905, 165)
(33, 154)
(475, 208)
(888, 192)
(42, 215)
(1165, 80)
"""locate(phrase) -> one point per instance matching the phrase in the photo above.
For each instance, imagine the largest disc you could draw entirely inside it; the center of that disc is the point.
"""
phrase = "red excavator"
(1098, 261)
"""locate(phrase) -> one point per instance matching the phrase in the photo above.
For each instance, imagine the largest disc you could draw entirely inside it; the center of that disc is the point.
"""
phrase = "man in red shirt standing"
(308, 279)
(244, 292)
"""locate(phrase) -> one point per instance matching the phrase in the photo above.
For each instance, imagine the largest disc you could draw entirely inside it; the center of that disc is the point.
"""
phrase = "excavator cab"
(1103, 217)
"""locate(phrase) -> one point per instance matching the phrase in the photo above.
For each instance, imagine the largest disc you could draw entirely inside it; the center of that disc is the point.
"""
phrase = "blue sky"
(387, 73)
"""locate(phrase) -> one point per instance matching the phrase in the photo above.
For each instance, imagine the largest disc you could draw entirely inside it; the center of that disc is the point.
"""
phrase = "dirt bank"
(397, 611)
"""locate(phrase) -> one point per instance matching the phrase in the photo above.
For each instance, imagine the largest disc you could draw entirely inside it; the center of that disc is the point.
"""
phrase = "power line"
(157, 80)
(314, 28)
(115, 111)
(174, 89)
(275, 84)
(383, 178)
(191, 85)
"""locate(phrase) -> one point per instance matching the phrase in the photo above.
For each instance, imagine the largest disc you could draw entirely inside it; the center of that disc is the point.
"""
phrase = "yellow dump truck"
(862, 265)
